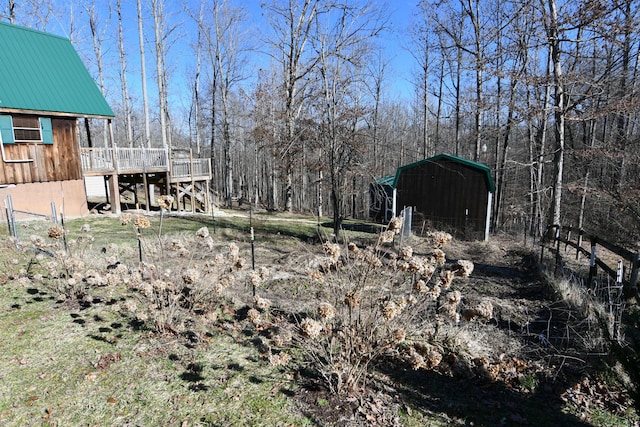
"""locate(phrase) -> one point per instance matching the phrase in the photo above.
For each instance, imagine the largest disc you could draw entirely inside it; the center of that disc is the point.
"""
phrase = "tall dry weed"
(378, 300)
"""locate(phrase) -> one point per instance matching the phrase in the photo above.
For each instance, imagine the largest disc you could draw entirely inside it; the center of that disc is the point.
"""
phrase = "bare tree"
(553, 32)
(227, 46)
(12, 11)
(450, 30)
(35, 14)
(421, 38)
(194, 119)
(375, 82)
(343, 48)
(143, 76)
(97, 36)
(266, 98)
(126, 100)
(511, 64)
(157, 11)
(292, 25)
(229, 63)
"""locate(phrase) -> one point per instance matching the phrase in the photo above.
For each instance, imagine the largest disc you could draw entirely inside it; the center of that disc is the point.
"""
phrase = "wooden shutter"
(6, 129)
(46, 130)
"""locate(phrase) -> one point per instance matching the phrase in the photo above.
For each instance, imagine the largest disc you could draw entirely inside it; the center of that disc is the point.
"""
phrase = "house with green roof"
(445, 192)
(44, 89)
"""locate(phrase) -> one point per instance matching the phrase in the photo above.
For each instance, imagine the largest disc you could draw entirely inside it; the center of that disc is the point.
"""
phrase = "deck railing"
(184, 168)
(123, 159)
(139, 160)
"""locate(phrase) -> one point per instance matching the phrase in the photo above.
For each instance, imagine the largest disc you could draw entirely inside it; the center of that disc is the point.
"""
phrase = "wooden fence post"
(579, 244)
(543, 238)
(616, 306)
(633, 280)
(620, 272)
(558, 257)
(593, 268)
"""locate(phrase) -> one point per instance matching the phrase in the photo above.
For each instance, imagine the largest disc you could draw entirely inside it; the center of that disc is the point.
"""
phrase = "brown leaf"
(111, 399)
(106, 359)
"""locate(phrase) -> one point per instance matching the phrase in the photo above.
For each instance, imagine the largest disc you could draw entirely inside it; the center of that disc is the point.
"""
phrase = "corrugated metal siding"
(43, 72)
(446, 192)
(95, 186)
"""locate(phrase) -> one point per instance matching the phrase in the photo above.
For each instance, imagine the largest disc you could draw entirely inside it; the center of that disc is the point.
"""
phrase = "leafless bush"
(184, 276)
(591, 322)
(59, 267)
(378, 301)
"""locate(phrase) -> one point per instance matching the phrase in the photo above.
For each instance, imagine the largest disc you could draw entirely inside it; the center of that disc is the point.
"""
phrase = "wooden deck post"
(114, 192)
(115, 187)
(147, 196)
(207, 199)
(193, 183)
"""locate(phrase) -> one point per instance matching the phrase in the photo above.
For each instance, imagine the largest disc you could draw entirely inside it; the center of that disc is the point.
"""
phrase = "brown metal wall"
(59, 161)
(442, 191)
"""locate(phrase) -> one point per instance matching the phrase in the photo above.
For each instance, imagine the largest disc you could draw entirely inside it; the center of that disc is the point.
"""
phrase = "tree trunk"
(97, 50)
(123, 78)
(143, 78)
(157, 9)
(553, 37)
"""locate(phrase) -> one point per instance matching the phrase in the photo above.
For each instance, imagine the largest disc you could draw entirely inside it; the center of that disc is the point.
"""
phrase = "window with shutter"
(23, 128)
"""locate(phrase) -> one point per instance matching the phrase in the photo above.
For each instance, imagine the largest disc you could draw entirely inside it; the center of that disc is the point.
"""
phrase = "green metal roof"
(386, 180)
(41, 72)
(479, 166)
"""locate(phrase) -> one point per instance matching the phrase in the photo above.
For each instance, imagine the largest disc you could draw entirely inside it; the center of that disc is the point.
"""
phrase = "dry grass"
(90, 357)
(80, 358)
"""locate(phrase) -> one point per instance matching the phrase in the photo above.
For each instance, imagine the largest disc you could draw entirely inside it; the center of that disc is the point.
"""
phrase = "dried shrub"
(61, 269)
(377, 302)
(186, 276)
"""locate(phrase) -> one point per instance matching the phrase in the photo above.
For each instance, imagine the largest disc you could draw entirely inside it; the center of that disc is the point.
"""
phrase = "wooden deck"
(125, 161)
(104, 161)
(190, 170)
(125, 169)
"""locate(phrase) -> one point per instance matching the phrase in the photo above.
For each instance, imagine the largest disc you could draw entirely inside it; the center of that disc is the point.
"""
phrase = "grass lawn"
(68, 363)
(75, 352)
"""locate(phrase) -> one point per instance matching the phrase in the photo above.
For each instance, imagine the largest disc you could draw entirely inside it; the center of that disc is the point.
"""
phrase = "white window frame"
(39, 129)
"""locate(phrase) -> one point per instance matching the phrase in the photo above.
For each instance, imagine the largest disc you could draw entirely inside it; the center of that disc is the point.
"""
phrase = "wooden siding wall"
(51, 162)
(443, 191)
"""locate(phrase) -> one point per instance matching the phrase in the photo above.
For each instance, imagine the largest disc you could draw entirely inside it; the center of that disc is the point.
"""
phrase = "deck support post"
(115, 188)
(193, 184)
(147, 195)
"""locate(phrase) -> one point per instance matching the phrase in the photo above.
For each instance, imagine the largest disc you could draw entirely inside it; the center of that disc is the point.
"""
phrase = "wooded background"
(542, 91)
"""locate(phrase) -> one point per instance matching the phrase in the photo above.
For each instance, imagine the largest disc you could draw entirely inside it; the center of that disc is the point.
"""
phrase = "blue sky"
(181, 54)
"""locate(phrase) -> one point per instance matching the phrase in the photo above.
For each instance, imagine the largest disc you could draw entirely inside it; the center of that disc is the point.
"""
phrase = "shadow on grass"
(193, 375)
(480, 402)
(358, 226)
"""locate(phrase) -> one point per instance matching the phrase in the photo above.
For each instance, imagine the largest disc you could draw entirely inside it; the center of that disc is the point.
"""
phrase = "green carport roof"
(386, 180)
(448, 157)
(43, 73)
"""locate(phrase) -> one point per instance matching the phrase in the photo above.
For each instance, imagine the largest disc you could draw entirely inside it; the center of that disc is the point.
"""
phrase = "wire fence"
(592, 272)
